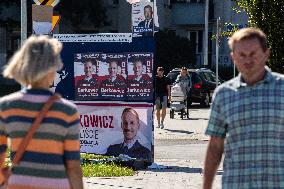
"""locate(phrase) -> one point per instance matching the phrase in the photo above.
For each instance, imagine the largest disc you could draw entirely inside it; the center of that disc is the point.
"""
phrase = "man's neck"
(249, 80)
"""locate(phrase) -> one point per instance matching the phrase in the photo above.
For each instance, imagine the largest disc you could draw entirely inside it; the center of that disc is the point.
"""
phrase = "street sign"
(47, 2)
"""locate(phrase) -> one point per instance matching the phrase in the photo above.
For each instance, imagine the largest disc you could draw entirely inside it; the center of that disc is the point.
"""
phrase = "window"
(197, 38)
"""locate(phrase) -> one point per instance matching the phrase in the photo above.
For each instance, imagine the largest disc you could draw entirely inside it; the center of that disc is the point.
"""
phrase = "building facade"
(185, 17)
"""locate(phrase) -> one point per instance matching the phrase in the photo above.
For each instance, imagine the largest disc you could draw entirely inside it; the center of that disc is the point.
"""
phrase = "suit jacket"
(142, 81)
(136, 151)
(91, 82)
(116, 83)
(142, 24)
(147, 33)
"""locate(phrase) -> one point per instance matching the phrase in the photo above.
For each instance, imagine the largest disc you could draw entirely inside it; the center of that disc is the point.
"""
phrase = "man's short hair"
(131, 110)
(246, 34)
(89, 60)
(134, 60)
(113, 60)
(160, 69)
(148, 7)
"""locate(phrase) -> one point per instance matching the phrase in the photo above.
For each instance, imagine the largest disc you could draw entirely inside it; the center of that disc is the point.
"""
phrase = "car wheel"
(205, 100)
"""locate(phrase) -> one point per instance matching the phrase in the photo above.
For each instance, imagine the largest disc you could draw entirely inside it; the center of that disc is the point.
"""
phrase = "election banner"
(112, 76)
(144, 21)
(140, 76)
(117, 129)
(86, 66)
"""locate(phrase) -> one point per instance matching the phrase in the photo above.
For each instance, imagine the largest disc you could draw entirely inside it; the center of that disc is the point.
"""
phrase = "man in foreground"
(247, 120)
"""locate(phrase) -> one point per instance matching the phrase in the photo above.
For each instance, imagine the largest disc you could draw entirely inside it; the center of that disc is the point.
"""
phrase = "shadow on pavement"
(178, 131)
(98, 184)
(177, 169)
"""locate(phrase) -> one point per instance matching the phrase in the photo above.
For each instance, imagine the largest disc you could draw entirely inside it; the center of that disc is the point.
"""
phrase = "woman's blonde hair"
(34, 60)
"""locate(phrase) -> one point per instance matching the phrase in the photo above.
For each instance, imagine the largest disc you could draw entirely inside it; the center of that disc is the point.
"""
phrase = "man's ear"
(267, 53)
(232, 56)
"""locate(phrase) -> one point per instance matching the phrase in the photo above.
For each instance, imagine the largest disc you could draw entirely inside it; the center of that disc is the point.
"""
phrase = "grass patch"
(109, 169)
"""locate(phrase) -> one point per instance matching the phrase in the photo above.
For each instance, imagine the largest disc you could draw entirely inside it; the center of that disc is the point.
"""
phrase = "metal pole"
(23, 21)
(153, 17)
(206, 33)
(217, 51)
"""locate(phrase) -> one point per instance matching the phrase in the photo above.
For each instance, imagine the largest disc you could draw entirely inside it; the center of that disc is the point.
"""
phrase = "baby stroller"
(178, 102)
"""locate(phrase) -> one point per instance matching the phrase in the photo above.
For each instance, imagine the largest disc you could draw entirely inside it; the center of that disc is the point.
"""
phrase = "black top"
(161, 86)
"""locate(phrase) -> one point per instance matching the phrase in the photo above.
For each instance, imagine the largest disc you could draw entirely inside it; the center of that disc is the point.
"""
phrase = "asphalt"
(179, 154)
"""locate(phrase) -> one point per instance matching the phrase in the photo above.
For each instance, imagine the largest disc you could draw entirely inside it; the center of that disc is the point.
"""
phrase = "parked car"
(203, 84)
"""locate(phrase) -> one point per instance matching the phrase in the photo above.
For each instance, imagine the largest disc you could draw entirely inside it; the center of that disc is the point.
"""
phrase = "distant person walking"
(247, 120)
(162, 96)
(52, 157)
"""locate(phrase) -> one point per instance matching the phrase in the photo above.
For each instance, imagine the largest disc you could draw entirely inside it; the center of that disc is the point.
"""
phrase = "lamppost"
(206, 33)
(23, 21)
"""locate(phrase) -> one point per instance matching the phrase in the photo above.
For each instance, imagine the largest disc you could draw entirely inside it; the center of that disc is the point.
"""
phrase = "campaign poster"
(140, 76)
(86, 66)
(118, 129)
(112, 75)
(143, 20)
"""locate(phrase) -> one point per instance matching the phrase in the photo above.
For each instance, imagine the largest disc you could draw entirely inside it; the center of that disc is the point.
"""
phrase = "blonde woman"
(51, 159)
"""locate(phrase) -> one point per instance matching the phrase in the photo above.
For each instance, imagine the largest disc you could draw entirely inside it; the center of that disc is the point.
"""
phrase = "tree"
(268, 15)
(173, 51)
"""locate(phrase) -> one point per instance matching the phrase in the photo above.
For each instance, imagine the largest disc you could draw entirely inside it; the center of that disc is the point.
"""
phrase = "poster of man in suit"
(86, 78)
(143, 20)
(140, 76)
(112, 74)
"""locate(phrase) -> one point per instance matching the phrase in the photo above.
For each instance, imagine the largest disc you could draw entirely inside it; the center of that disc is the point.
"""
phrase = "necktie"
(147, 24)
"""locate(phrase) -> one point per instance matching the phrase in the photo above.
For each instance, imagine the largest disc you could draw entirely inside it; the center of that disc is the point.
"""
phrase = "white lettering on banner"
(100, 37)
(96, 121)
(109, 90)
(135, 90)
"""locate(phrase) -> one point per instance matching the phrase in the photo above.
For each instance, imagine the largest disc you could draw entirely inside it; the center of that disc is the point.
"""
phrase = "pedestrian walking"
(51, 158)
(184, 79)
(162, 91)
(247, 119)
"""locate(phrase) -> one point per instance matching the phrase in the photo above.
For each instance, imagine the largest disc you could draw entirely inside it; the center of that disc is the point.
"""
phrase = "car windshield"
(172, 76)
(210, 76)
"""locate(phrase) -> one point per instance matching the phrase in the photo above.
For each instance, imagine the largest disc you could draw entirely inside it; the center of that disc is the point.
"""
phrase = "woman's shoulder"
(67, 106)
(11, 97)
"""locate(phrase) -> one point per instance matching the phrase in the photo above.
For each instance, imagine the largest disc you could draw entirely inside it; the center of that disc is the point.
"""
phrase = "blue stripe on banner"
(71, 155)
(40, 158)
(30, 120)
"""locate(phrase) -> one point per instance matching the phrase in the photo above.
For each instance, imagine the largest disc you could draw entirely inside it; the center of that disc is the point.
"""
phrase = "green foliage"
(106, 170)
(173, 51)
(268, 15)
(109, 169)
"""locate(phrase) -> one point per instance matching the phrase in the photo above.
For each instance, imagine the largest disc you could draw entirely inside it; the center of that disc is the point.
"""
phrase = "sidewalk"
(180, 173)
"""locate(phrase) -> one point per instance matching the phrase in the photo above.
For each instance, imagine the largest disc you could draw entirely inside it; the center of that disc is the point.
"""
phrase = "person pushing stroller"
(179, 93)
(184, 81)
